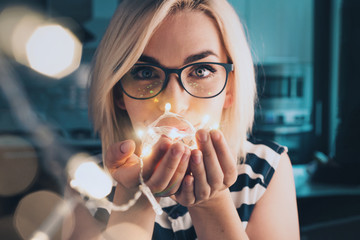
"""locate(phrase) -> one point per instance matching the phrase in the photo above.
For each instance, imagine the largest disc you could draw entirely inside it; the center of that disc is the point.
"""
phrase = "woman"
(192, 54)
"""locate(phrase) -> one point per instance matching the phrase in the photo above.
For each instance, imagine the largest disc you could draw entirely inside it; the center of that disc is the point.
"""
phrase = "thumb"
(118, 153)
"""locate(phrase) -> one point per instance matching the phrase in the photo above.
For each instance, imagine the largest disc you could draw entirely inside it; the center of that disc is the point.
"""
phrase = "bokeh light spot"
(34, 210)
(19, 165)
(52, 50)
(33, 40)
(88, 178)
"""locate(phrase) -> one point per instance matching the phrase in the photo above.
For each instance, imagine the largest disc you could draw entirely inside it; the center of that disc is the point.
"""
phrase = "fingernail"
(175, 152)
(125, 147)
(215, 134)
(186, 155)
(196, 158)
(202, 136)
(164, 146)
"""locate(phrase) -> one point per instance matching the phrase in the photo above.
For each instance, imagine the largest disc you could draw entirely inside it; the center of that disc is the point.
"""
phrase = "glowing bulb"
(215, 126)
(167, 107)
(173, 133)
(88, 178)
(146, 151)
(140, 133)
(205, 120)
(151, 131)
(53, 50)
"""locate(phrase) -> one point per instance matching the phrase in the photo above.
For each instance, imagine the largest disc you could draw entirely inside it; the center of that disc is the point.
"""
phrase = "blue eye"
(146, 73)
(142, 72)
(202, 71)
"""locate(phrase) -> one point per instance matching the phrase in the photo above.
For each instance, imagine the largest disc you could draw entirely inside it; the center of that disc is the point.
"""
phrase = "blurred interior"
(306, 58)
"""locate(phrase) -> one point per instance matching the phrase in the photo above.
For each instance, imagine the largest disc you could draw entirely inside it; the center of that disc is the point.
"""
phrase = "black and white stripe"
(253, 178)
(254, 175)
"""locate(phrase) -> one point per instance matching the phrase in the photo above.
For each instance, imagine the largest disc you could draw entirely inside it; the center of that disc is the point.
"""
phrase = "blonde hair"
(129, 31)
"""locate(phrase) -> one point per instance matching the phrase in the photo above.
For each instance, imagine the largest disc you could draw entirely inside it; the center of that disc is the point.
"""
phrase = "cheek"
(218, 110)
(213, 108)
(140, 111)
(137, 117)
(135, 111)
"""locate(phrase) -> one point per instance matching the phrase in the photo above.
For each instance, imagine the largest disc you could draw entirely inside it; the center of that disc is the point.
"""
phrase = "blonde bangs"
(120, 48)
(237, 120)
(123, 43)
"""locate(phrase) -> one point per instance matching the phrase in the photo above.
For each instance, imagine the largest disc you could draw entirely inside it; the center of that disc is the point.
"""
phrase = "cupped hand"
(163, 169)
(212, 167)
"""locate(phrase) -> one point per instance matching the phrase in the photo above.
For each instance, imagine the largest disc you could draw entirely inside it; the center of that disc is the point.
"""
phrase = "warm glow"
(215, 126)
(167, 107)
(53, 51)
(173, 133)
(140, 133)
(146, 151)
(150, 132)
(88, 178)
(205, 120)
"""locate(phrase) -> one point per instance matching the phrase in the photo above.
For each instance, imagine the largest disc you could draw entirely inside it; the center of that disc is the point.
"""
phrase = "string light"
(183, 132)
(167, 107)
(186, 135)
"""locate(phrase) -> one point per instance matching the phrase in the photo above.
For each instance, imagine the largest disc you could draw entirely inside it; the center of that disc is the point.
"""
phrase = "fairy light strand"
(148, 139)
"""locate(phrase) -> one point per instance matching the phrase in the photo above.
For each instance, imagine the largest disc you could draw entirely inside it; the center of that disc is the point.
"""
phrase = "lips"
(174, 127)
(172, 122)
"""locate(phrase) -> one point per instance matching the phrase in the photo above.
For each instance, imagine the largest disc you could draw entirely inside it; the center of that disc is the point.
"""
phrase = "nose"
(174, 94)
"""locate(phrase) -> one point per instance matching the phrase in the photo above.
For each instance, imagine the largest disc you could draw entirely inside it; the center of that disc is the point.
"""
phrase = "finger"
(185, 196)
(213, 169)
(201, 187)
(160, 147)
(117, 154)
(157, 153)
(128, 174)
(226, 159)
(178, 176)
(166, 167)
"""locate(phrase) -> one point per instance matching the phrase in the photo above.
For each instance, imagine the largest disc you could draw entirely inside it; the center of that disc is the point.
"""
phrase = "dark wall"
(348, 138)
(322, 63)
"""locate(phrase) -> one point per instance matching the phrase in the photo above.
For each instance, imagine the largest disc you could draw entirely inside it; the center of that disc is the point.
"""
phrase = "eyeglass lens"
(200, 80)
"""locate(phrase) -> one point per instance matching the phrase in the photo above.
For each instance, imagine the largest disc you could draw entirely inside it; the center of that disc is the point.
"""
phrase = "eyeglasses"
(201, 79)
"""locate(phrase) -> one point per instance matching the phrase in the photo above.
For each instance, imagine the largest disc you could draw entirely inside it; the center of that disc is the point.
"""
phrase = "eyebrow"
(189, 59)
(199, 56)
(148, 59)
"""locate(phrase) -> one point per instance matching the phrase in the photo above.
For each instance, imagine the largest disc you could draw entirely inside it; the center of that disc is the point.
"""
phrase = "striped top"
(254, 175)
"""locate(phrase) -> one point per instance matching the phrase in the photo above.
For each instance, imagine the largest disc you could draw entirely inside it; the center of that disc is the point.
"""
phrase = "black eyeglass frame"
(229, 67)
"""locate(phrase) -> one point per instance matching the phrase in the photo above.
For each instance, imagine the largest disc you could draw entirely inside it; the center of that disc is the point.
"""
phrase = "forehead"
(182, 34)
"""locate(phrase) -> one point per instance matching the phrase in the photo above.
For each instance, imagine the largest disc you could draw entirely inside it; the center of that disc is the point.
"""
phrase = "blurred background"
(306, 58)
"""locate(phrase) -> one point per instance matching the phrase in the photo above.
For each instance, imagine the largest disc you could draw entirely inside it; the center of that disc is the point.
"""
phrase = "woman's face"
(184, 38)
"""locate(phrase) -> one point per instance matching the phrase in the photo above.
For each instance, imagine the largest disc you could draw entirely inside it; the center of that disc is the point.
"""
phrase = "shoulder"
(255, 174)
(262, 159)
(264, 149)
(278, 203)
